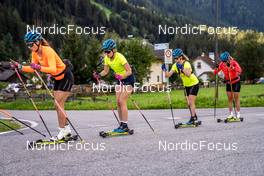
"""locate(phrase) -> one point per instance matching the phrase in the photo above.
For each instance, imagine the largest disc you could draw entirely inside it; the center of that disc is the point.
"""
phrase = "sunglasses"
(29, 45)
(107, 51)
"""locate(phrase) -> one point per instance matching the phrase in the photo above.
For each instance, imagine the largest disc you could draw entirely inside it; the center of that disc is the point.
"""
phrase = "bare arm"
(128, 70)
(187, 71)
(168, 74)
(105, 71)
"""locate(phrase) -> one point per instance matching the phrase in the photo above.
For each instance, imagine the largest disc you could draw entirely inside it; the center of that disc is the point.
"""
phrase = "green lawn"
(10, 123)
(251, 96)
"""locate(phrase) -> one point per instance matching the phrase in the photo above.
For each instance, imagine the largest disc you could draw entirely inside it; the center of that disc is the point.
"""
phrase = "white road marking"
(170, 118)
(32, 124)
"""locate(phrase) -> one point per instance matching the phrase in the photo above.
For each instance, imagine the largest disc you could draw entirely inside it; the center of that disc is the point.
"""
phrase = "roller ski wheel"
(177, 126)
(105, 134)
(219, 120)
(199, 122)
(131, 132)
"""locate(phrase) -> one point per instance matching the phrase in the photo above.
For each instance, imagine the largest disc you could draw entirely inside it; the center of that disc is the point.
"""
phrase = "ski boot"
(232, 118)
(193, 122)
(122, 128)
(120, 131)
(64, 133)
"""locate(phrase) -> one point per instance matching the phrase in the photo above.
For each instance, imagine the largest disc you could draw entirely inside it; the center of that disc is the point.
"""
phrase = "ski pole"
(58, 105)
(172, 115)
(139, 110)
(216, 94)
(109, 103)
(9, 115)
(100, 62)
(11, 128)
(31, 99)
(134, 102)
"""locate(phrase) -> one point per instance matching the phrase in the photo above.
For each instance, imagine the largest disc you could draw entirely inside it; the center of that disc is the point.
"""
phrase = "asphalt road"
(211, 149)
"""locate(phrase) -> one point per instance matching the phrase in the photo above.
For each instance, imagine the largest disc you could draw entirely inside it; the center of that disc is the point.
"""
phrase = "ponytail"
(185, 57)
(44, 42)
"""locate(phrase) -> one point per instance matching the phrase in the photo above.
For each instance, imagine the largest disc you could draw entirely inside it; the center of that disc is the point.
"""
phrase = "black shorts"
(235, 87)
(130, 80)
(192, 90)
(66, 83)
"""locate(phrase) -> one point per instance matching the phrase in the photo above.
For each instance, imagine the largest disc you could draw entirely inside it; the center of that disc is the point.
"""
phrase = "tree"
(7, 48)
(74, 49)
(83, 52)
(250, 53)
(138, 55)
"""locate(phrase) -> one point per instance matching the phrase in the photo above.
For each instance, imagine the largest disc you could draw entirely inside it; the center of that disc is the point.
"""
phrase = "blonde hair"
(114, 50)
(44, 42)
(185, 57)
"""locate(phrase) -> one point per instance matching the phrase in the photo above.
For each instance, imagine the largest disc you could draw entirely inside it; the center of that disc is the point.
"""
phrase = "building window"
(199, 65)
(158, 78)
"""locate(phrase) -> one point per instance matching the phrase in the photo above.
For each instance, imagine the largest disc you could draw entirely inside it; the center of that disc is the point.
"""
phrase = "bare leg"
(230, 101)
(123, 102)
(60, 98)
(237, 100)
(192, 99)
(118, 93)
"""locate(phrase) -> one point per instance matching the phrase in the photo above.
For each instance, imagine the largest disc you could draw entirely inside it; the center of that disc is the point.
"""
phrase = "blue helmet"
(109, 44)
(177, 53)
(32, 36)
(224, 56)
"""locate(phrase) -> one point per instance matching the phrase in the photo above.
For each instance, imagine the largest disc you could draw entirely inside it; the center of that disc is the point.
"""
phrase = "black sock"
(195, 117)
(124, 125)
(192, 118)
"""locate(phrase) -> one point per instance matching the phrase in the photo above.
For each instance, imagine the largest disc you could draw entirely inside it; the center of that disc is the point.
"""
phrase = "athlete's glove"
(35, 66)
(96, 75)
(15, 65)
(118, 77)
(163, 67)
(180, 66)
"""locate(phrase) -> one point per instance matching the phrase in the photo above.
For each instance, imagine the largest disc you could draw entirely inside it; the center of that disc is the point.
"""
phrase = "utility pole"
(216, 52)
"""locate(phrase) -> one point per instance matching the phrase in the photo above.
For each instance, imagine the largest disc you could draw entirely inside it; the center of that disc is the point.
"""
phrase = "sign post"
(167, 61)
(163, 47)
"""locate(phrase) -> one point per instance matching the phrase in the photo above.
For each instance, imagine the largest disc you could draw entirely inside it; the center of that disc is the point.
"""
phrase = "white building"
(155, 76)
(204, 68)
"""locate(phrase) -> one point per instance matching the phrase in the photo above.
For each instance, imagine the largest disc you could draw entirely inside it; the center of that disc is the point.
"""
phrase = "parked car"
(260, 81)
(12, 87)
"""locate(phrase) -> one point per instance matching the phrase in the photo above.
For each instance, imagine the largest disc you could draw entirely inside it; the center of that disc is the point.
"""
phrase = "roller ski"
(193, 122)
(122, 130)
(63, 136)
(231, 119)
(41, 142)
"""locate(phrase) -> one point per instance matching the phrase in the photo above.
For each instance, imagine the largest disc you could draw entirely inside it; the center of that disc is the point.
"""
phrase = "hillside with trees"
(123, 18)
